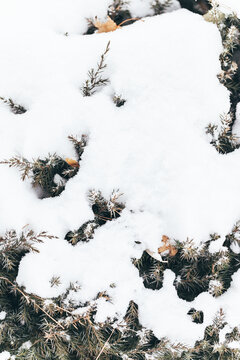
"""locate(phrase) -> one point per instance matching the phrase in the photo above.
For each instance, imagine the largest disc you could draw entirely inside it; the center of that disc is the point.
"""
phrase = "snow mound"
(154, 149)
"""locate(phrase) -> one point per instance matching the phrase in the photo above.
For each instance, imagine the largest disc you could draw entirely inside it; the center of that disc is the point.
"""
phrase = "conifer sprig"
(16, 109)
(95, 78)
(79, 144)
(24, 166)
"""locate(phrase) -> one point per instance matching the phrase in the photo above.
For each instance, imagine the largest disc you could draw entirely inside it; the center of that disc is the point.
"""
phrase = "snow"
(154, 149)
(229, 6)
(173, 310)
(235, 248)
(216, 246)
(160, 179)
(2, 315)
(5, 355)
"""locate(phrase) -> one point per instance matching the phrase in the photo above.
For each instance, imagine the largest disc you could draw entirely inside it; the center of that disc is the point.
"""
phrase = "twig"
(105, 344)
(129, 20)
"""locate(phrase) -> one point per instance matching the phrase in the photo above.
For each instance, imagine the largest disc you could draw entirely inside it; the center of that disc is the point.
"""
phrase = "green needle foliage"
(43, 171)
(151, 271)
(197, 269)
(35, 328)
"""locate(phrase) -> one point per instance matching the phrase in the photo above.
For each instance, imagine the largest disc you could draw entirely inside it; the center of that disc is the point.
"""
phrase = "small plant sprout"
(95, 76)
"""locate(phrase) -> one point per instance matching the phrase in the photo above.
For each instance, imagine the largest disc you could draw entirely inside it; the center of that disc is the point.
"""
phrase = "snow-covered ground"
(154, 149)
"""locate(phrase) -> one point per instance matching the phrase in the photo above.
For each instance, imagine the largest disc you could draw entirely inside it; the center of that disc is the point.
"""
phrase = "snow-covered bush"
(142, 82)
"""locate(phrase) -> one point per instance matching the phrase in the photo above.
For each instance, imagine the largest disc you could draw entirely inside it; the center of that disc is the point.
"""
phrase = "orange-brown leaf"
(107, 26)
(165, 239)
(167, 246)
(72, 162)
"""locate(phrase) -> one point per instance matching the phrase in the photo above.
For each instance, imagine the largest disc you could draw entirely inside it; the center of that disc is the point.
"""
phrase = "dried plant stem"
(105, 344)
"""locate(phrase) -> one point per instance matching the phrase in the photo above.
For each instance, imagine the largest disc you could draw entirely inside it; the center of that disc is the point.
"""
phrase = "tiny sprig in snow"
(15, 108)
(95, 78)
(113, 205)
(79, 144)
(118, 100)
(55, 281)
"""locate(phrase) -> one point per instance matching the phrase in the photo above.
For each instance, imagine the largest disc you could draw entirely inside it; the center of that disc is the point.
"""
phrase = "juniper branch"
(16, 109)
(95, 78)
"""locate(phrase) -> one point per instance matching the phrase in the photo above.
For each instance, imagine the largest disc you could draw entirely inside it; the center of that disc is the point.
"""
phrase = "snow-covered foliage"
(152, 208)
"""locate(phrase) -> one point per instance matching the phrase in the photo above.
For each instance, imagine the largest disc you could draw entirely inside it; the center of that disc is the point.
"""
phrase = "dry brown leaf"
(72, 162)
(167, 246)
(107, 26)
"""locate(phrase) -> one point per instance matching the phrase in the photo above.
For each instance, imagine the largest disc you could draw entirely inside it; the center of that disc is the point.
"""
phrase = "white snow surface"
(5, 355)
(229, 6)
(154, 149)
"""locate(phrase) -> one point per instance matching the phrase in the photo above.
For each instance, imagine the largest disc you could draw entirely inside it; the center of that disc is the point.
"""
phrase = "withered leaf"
(167, 246)
(107, 26)
(72, 162)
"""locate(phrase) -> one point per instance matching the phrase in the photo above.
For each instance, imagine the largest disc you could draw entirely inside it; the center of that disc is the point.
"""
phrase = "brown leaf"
(107, 26)
(72, 162)
(165, 239)
(167, 246)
